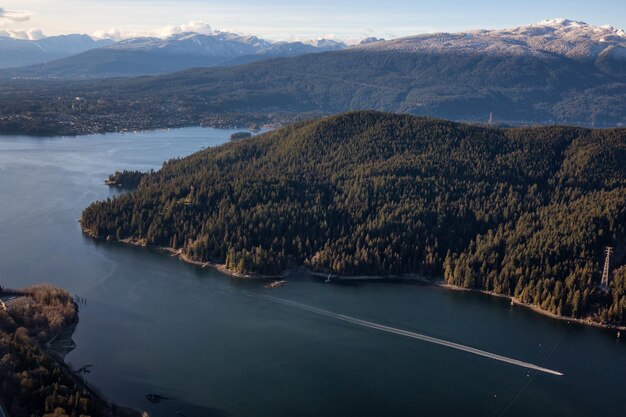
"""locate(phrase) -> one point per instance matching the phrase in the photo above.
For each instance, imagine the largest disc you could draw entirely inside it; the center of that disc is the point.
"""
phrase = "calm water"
(218, 346)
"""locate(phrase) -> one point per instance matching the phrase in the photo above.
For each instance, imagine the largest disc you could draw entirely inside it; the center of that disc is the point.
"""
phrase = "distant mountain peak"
(570, 38)
(225, 44)
(17, 52)
(566, 25)
(560, 22)
(371, 39)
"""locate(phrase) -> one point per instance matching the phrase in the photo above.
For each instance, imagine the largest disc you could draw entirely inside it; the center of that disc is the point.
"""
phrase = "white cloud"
(194, 26)
(113, 34)
(30, 34)
(13, 16)
(163, 32)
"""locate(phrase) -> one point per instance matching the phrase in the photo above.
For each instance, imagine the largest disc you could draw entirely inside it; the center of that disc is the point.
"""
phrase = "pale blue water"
(218, 347)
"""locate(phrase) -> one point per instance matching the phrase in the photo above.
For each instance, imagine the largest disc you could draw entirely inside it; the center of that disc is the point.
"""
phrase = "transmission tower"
(605, 272)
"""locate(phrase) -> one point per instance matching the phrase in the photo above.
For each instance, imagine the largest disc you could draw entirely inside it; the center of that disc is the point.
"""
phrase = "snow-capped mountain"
(575, 40)
(226, 45)
(18, 52)
(219, 44)
(327, 44)
(152, 55)
(371, 39)
(604, 46)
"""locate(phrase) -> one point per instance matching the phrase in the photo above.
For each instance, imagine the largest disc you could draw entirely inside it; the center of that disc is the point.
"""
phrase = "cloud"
(30, 34)
(113, 34)
(162, 32)
(193, 26)
(13, 16)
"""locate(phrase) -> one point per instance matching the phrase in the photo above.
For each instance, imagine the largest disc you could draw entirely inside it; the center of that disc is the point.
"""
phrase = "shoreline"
(178, 253)
(102, 402)
(59, 344)
(536, 309)
(438, 283)
(226, 121)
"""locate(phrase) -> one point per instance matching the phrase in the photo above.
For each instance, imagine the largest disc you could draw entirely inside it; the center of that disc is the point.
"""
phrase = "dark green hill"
(525, 212)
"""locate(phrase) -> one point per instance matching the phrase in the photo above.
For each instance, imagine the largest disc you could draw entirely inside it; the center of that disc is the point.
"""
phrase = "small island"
(240, 136)
(125, 179)
(35, 380)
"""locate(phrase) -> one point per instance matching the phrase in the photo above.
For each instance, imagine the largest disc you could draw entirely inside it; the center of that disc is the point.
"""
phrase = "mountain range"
(152, 55)
(20, 52)
(573, 39)
(553, 37)
(79, 56)
(553, 72)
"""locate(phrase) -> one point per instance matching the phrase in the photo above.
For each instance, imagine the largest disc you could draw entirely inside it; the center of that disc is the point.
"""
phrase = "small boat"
(327, 279)
(276, 284)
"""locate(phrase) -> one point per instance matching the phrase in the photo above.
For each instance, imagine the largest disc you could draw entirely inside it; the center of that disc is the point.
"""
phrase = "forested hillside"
(524, 212)
(460, 86)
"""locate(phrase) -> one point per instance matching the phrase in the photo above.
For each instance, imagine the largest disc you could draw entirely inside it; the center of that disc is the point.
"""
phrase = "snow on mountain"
(576, 40)
(370, 39)
(327, 44)
(16, 52)
(70, 44)
(173, 52)
(223, 44)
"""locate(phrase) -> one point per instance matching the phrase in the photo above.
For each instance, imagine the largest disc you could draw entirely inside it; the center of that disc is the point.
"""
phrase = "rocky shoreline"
(588, 321)
(440, 283)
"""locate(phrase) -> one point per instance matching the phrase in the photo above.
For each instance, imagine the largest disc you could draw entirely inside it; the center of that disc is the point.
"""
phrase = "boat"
(327, 279)
(276, 284)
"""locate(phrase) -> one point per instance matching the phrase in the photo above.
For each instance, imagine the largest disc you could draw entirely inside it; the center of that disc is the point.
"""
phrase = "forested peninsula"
(523, 212)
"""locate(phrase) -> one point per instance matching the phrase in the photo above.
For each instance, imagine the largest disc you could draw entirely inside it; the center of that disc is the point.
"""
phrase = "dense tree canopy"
(125, 179)
(523, 212)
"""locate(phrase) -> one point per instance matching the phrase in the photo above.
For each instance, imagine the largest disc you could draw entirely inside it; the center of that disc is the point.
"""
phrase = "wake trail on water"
(412, 335)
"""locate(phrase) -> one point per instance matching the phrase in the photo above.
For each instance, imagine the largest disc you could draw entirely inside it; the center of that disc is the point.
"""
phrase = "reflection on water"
(152, 324)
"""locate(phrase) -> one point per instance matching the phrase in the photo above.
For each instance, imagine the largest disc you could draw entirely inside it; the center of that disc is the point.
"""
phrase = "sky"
(290, 20)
